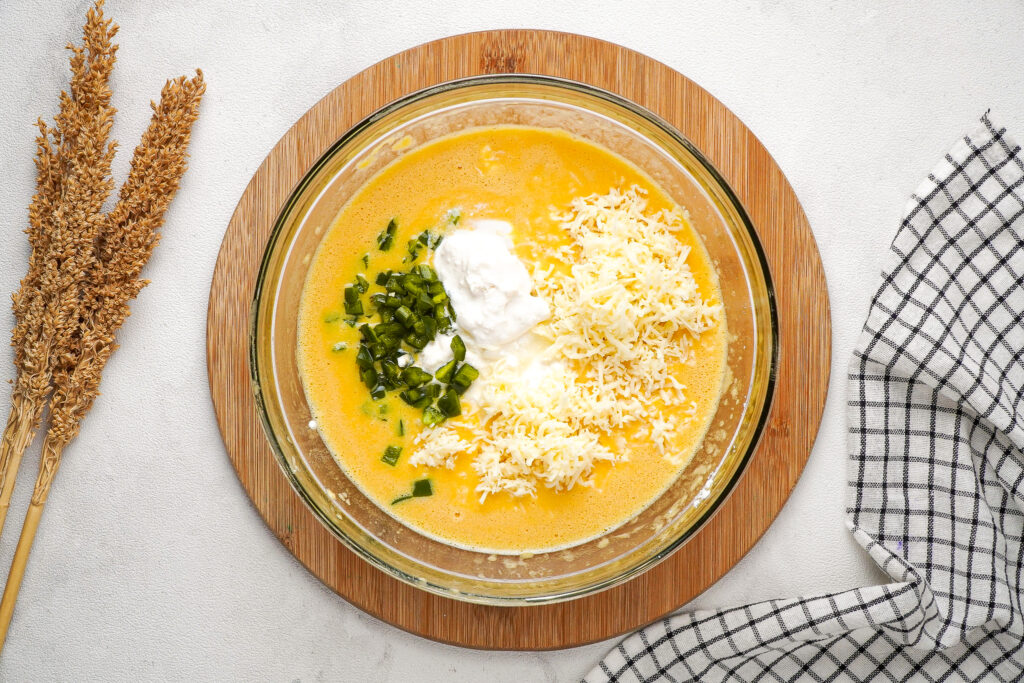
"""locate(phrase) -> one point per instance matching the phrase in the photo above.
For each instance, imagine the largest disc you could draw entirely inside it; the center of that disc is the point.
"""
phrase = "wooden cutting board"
(804, 333)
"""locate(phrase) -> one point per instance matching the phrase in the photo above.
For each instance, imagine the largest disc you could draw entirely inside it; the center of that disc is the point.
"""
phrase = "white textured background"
(151, 564)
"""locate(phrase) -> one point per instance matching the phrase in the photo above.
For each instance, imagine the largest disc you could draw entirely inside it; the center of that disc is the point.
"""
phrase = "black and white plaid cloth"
(936, 469)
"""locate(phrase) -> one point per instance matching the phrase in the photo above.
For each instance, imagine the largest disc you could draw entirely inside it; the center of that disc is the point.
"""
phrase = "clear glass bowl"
(635, 134)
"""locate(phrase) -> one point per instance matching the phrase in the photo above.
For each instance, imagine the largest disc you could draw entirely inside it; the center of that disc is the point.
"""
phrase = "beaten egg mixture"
(498, 192)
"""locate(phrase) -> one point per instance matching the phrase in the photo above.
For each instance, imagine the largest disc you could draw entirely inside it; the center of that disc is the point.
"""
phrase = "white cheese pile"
(624, 306)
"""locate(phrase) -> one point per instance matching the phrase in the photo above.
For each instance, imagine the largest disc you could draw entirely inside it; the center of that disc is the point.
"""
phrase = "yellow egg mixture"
(520, 175)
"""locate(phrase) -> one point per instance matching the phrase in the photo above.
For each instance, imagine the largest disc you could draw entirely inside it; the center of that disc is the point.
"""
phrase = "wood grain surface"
(804, 360)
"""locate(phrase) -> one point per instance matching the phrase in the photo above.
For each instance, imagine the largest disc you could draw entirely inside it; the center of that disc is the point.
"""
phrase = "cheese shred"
(625, 309)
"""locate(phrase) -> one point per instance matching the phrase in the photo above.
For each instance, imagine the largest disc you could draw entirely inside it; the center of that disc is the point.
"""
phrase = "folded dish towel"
(936, 443)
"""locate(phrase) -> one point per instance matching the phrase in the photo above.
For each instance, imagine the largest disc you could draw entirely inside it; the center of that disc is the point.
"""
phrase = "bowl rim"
(557, 82)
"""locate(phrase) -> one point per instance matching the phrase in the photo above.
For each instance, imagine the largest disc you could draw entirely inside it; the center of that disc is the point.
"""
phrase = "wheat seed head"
(127, 236)
(72, 182)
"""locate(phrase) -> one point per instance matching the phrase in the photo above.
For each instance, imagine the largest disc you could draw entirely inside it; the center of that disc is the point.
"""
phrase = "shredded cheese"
(624, 309)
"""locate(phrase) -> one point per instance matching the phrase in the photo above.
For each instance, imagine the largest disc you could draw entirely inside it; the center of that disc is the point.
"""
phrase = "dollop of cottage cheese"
(489, 286)
(490, 291)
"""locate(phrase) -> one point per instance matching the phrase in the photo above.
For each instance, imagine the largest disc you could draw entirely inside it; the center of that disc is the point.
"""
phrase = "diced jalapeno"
(445, 372)
(363, 358)
(386, 239)
(449, 404)
(354, 308)
(432, 416)
(414, 376)
(391, 454)
(458, 348)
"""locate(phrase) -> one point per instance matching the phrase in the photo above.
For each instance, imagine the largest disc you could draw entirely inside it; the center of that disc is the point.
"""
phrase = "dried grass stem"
(85, 265)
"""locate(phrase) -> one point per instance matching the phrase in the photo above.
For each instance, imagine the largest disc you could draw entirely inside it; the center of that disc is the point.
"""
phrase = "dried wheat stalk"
(85, 266)
(73, 181)
(126, 240)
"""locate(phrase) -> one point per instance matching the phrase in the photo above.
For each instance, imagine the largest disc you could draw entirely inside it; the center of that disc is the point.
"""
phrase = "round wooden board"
(804, 331)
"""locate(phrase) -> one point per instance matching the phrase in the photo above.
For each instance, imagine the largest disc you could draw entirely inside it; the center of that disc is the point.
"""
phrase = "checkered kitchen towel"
(936, 442)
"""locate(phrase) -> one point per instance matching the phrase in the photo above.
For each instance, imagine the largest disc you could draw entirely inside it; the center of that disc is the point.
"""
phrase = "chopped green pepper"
(449, 404)
(414, 376)
(464, 377)
(355, 309)
(458, 348)
(363, 358)
(432, 416)
(425, 272)
(391, 454)
(412, 309)
(420, 489)
(392, 374)
(368, 333)
(411, 396)
(445, 372)
(386, 238)
(405, 316)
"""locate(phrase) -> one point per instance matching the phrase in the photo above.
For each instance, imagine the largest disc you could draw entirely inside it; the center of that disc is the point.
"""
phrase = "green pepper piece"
(458, 348)
(386, 239)
(405, 316)
(465, 376)
(392, 373)
(449, 404)
(414, 376)
(430, 330)
(417, 341)
(391, 454)
(354, 308)
(425, 272)
(432, 416)
(363, 357)
(368, 333)
(445, 372)
(420, 489)
(411, 396)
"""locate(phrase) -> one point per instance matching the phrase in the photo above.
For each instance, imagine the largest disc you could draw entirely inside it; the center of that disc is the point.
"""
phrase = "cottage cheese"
(488, 285)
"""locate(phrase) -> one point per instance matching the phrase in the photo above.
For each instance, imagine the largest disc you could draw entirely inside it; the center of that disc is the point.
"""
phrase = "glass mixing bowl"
(633, 133)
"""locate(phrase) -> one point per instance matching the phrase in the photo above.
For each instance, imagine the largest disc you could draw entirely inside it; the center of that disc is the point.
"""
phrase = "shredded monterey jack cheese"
(624, 309)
